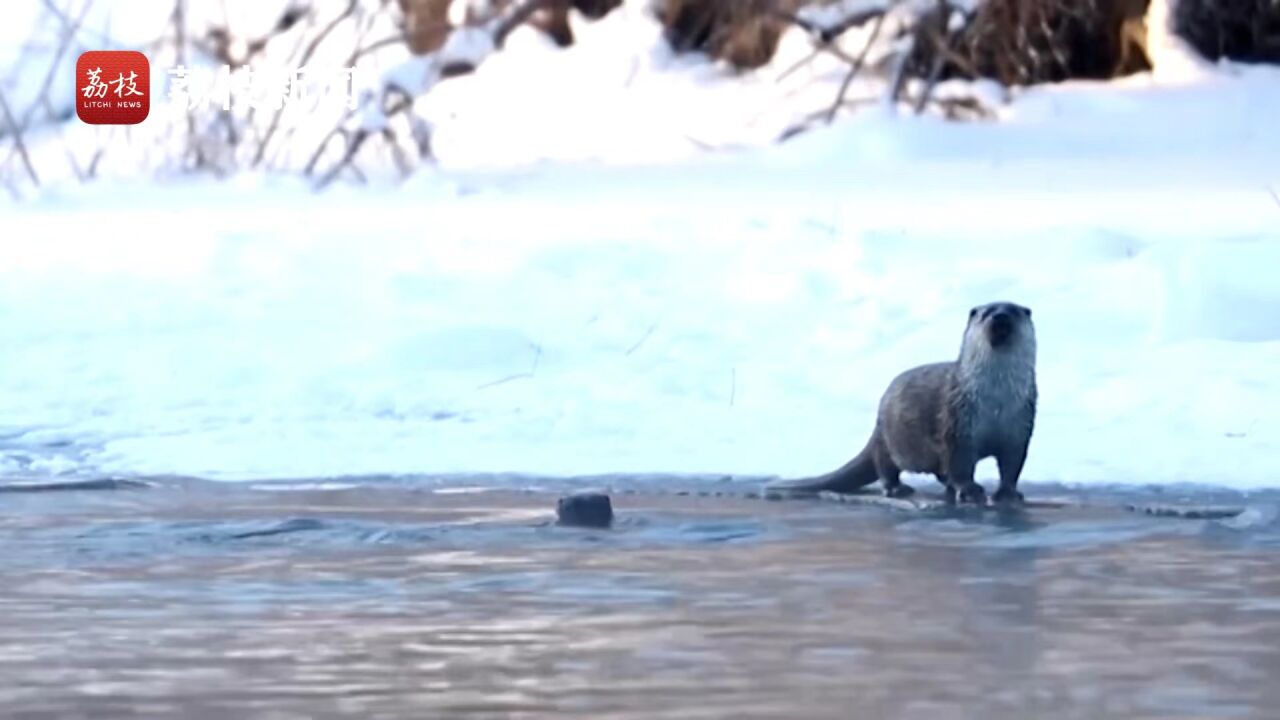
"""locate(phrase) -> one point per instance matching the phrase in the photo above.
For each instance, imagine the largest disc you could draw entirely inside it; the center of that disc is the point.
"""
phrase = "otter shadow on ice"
(52, 486)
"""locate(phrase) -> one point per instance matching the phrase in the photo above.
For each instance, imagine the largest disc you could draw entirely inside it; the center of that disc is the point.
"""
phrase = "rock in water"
(585, 509)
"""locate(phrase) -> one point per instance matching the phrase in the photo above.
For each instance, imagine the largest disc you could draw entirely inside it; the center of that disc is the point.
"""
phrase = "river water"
(460, 598)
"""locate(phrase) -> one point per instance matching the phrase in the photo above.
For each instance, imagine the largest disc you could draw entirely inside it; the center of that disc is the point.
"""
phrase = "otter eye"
(973, 312)
(1026, 312)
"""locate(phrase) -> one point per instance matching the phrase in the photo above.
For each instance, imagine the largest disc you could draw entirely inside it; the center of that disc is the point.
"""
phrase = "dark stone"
(588, 508)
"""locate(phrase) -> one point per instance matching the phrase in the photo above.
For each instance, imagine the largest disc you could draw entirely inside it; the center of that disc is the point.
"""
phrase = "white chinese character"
(337, 87)
(348, 82)
(180, 86)
(95, 88)
(297, 91)
(126, 86)
(270, 89)
(206, 87)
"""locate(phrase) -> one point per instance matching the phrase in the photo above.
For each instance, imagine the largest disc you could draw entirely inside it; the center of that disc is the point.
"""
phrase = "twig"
(807, 122)
(75, 166)
(817, 50)
(900, 75)
(337, 130)
(307, 54)
(17, 139)
(733, 386)
(93, 162)
(502, 27)
(518, 376)
(855, 69)
(372, 48)
(72, 28)
(829, 34)
(934, 73)
(358, 140)
(326, 30)
(516, 18)
(1275, 195)
(179, 20)
(957, 59)
(353, 146)
(644, 337)
(824, 38)
(938, 41)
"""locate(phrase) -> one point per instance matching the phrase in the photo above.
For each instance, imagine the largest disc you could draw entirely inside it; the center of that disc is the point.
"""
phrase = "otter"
(943, 418)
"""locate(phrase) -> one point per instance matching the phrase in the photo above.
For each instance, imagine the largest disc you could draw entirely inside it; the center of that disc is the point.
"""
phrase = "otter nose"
(1001, 316)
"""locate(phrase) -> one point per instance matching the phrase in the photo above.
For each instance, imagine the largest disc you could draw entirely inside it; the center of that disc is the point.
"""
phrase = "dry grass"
(1023, 42)
(744, 33)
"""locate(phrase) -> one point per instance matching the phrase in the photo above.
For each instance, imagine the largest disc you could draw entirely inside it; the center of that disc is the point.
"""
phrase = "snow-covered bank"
(731, 315)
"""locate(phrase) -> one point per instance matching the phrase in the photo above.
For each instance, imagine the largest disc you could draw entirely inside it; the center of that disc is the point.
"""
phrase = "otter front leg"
(1010, 462)
(960, 472)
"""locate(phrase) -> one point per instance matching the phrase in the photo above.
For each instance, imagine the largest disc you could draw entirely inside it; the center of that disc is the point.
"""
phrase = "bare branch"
(307, 54)
(501, 28)
(518, 376)
(644, 337)
(373, 47)
(324, 33)
(16, 133)
(401, 103)
(828, 35)
(71, 29)
(900, 74)
(179, 21)
(353, 146)
(935, 71)
(855, 68)
(335, 132)
(515, 18)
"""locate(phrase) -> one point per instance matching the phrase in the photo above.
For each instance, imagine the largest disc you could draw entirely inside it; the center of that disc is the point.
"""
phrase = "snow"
(580, 287)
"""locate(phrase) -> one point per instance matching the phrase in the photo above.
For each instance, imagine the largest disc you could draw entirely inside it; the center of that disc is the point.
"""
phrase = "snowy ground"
(736, 312)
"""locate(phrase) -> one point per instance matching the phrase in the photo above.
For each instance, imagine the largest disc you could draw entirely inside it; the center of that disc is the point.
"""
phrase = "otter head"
(999, 329)
(1000, 323)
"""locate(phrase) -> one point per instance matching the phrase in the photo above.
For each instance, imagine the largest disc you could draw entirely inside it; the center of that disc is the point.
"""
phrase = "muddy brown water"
(424, 599)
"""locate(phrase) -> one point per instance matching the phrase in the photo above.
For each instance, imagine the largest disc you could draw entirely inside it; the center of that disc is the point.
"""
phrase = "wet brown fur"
(943, 418)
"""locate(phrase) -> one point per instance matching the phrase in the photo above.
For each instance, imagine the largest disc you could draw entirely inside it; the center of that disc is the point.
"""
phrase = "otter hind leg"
(889, 474)
(960, 473)
(948, 488)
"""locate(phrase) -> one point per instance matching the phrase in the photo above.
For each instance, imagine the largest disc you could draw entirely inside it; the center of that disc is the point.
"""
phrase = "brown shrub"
(1022, 42)
(1244, 30)
(427, 21)
(744, 33)
(426, 24)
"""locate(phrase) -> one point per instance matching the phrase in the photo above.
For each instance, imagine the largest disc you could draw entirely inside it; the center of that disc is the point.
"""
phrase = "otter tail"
(853, 475)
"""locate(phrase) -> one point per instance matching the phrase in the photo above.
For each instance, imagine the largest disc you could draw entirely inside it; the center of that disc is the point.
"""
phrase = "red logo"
(113, 87)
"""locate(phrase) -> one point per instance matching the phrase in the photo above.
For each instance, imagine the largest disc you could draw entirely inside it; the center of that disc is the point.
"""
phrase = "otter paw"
(1008, 496)
(899, 491)
(974, 494)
